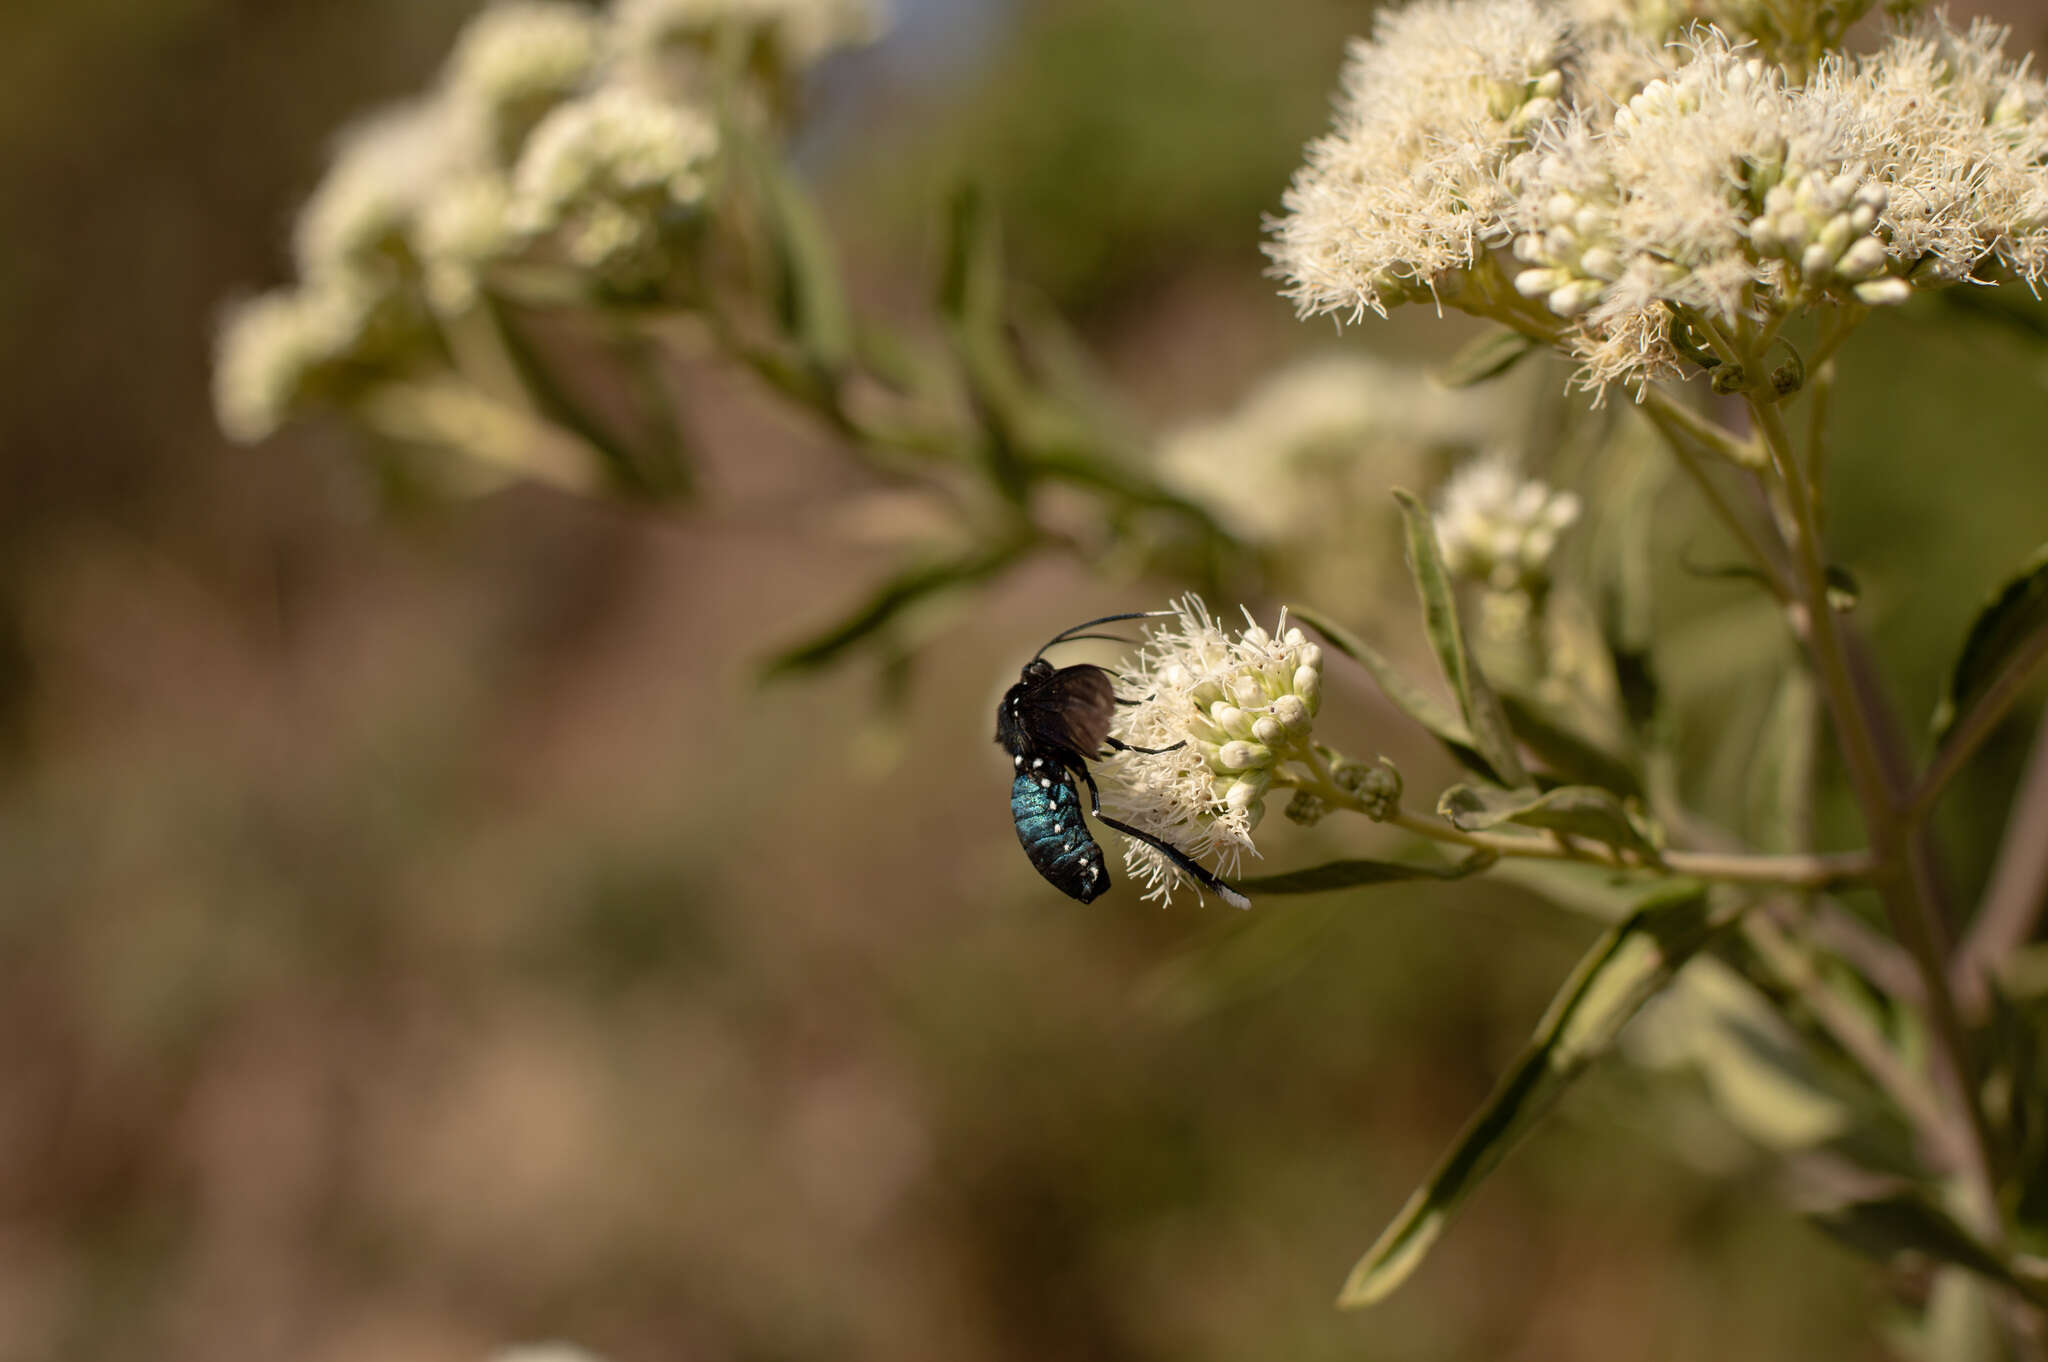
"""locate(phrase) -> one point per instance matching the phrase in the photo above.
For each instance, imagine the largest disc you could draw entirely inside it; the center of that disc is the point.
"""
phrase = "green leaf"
(1576, 810)
(1759, 1072)
(971, 300)
(1484, 357)
(2009, 630)
(1353, 874)
(1624, 970)
(1902, 1220)
(811, 297)
(889, 601)
(1592, 891)
(1438, 718)
(1482, 711)
(1564, 750)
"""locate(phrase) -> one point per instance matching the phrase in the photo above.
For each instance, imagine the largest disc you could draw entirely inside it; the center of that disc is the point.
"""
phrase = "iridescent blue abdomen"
(1047, 809)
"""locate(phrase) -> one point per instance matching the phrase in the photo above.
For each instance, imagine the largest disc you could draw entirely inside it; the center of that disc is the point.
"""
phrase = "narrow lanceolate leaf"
(1481, 708)
(971, 299)
(1442, 721)
(1485, 357)
(2009, 631)
(1904, 1221)
(1624, 970)
(1564, 750)
(908, 588)
(1575, 810)
(811, 297)
(1354, 874)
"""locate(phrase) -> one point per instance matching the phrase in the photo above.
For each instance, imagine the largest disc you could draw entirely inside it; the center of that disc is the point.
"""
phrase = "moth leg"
(1121, 746)
(1094, 793)
(1201, 874)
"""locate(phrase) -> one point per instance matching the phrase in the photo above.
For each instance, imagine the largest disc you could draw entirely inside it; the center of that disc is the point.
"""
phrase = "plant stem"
(1904, 876)
(1794, 871)
(1977, 724)
(1857, 1037)
(1678, 424)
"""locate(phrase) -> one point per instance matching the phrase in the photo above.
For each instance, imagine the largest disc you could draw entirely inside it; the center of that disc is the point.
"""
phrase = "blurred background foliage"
(418, 932)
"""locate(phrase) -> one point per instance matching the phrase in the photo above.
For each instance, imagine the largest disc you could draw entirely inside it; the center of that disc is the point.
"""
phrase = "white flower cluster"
(281, 349)
(1407, 190)
(798, 32)
(539, 144)
(1700, 180)
(1496, 527)
(1223, 714)
(607, 174)
(517, 60)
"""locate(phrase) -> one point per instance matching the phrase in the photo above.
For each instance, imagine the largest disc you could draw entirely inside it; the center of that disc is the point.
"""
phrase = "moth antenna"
(1068, 634)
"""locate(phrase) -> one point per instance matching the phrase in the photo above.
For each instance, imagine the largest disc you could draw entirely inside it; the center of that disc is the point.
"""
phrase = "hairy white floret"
(1652, 197)
(1231, 709)
(1958, 132)
(1405, 190)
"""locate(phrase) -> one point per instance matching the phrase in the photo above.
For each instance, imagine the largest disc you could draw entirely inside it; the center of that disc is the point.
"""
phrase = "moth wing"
(1077, 704)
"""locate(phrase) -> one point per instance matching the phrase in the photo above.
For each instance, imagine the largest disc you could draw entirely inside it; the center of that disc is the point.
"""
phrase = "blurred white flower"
(1497, 527)
(545, 1352)
(362, 215)
(1232, 710)
(608, 174)
(465, 226)
(516, 60)
(274, 352)
(1310, 442)
(801, 31)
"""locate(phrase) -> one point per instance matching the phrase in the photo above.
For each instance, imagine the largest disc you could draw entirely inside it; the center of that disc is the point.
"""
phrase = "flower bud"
(1249, 790)
(1306, 809)
(1293, 711)
(1884, 292)
(1381, 791)
(1239, 755)
(1861, 260)
(1308, 684)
